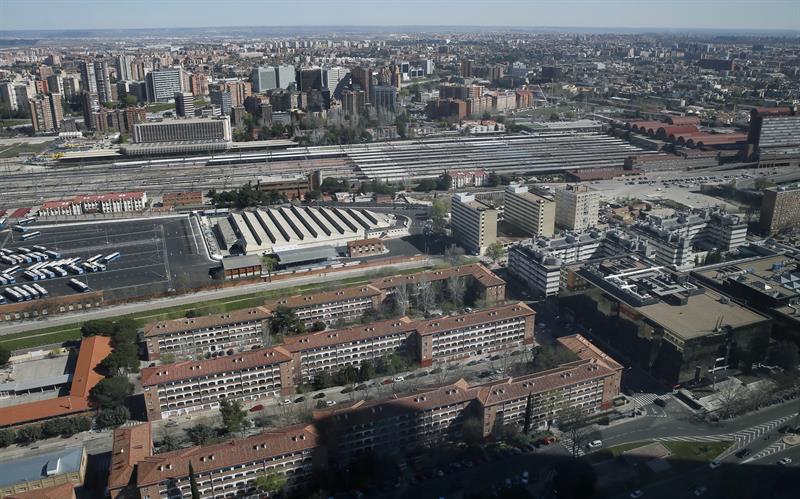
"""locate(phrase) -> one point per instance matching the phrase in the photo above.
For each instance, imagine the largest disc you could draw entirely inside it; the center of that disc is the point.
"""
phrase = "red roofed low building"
(91, 353)
(114, 202)
(468, 178)
(365, 247)
(56, 208)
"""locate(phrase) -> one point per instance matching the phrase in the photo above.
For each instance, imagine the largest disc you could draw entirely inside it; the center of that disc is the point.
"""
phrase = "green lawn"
(155, 108)
(15, 150)
(696, 451)
(13, 122)
(612, 452)
(60, 334)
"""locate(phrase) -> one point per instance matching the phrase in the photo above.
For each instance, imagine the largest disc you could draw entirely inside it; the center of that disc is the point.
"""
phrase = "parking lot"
(157, 254)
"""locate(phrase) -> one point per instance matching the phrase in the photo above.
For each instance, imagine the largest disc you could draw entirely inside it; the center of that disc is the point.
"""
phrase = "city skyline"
(613, 15)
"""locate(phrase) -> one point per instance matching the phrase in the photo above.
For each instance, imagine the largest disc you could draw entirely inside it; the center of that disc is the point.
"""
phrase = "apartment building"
(577, 207)
(490, 288)
(194, 337)
(330, 307)
(190, 386)
(430, 415)
(334, 350)
(532, 213)
(780, 209)
(474, 223)
(448, 338)
(227, 469)
(188, 129)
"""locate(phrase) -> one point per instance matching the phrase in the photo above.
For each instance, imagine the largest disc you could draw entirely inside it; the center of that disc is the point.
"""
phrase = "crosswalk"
(567, 443)
(740, 438)
(772, 449)
(644, 399)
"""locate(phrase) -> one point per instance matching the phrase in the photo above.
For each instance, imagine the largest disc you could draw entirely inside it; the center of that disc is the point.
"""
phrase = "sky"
(88, 14)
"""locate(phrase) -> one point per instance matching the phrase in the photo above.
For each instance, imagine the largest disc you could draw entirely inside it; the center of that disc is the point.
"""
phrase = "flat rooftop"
(35, 467)
(700, 315)
(777, 275)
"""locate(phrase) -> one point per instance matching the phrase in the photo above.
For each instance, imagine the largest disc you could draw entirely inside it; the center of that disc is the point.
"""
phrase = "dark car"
(256, 408)
(319, 395)
(660, 402)
(743, 453)
(299, 399)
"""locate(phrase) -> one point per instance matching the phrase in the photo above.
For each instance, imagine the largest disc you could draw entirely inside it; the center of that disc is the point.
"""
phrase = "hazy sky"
(65, 14)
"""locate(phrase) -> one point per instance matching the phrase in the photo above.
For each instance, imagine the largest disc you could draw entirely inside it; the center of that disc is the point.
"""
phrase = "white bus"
(30, 235)
(113, 256)
(24, 294)
(75, 269)
(40, 248)
(79, 286)
(13, 295)
(94, 258)
(52, 254)
(32, 275)
(13, 270)
(26, 221)
(28, 289)
(42, 292)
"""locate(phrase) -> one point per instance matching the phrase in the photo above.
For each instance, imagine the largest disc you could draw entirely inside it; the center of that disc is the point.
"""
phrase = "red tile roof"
(92, 351)
(131, 445)
(63, 491)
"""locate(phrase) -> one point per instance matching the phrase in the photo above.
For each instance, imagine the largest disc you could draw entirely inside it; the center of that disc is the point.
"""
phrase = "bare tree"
(426, 296)
(456, 287)
(573, 422)
(732, 398)
(401, 299)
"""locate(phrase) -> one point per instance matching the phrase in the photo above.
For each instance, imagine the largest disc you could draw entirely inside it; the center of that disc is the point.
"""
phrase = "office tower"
(184, 104)
(163, 84)
(427, 66)
(7, 95)
(88, 78)
(123, 66)
(222, 99)
(103, 81)
(362, 80)
(474, 223)
(577, 207)
(54, 84)
(237, 115)
(285, 76)
(385, 98)
(208, 129)
(198, 84)
(532, 213)
(334, 76)
(91, 105)
(552, 73)
(46, 112)
(264, 79)
(466, 68)
(353, 102)
(311, 79)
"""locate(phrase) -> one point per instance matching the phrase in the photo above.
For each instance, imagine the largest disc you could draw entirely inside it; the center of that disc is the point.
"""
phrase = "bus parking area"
(123, 258)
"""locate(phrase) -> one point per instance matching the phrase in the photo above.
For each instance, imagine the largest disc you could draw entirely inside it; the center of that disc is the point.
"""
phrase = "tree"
(7, 437)
(169, 443)
(454, 255)
(444, 182)
(234, 418)
(200, 434)
(270, 263)
(472, 432)
(317, 326)
(426, 185)
(193, 482)
(101, 327)
(110, 392)
(526, 427)
(401, 300)
(270, 482)
(5, 354)
(112, 417)
(313, 195)
(426, 296)
(495, 251)
(574, 423)
(29, 434)
(550, 356)
(439, 216)
(285, 322)
(456, 287)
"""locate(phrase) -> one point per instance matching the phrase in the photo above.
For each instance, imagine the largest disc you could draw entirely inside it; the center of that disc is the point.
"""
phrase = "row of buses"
(43, 264)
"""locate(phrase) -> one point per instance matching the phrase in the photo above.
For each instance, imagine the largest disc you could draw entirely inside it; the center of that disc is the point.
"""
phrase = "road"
(115, 311)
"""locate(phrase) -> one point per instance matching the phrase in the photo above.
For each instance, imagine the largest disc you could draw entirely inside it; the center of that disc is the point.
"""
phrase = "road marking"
(764, 453)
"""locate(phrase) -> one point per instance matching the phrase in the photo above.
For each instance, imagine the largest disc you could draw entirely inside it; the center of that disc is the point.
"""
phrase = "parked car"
(636, 494)
(786, 461)
(330, 403)
(660, 402)
(716, 463)
(595, 444)
(743, 453)
(702, 489)
(320, 395)
(256, 408)
(387, 381)
(299, 399)
(398, 379)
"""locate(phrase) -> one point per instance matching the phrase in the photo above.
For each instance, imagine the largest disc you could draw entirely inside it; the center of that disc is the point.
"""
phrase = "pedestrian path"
(741, 438)
(772, 449)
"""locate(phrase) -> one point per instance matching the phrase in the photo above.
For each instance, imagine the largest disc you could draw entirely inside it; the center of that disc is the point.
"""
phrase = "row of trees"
(245, 196)
(59, 427)
(442, 183)
(124, 358)
(382, 366)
